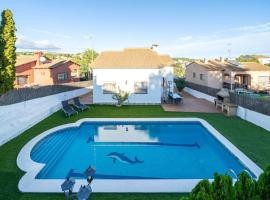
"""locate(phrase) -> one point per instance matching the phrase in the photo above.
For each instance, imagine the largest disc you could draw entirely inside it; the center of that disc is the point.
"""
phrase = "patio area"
(191, 104)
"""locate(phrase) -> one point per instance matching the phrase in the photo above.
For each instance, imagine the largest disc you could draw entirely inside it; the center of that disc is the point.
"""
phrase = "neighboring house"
(225, 73)
(39, 70)
(140, 71)
(264, 60)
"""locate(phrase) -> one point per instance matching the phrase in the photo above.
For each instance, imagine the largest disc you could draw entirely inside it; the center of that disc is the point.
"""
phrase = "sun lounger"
(79, 105)
(68, 110)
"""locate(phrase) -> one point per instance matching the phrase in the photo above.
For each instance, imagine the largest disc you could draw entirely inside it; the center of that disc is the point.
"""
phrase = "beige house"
(221, 73)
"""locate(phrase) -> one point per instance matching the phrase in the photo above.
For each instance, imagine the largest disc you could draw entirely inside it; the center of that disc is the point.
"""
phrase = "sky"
(182, 28)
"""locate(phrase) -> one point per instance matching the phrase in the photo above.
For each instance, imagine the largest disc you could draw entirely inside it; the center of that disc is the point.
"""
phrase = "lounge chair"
(79, 105)
(68, 110)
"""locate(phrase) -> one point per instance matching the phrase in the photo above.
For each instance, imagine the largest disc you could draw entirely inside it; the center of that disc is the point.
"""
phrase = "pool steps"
(46, 152)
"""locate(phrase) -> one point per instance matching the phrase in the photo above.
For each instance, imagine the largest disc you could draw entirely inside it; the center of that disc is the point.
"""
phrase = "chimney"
(205, 60)
(38, 55)
(221, 59)
(154, 47)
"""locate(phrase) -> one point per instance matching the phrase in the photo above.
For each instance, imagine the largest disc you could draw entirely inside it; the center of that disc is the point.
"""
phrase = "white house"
(140, 71)
(264, 60)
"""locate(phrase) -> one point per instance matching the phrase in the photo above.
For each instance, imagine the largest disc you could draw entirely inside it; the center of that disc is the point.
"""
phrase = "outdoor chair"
(79, 105)
(68, 110)
(175, 98)
(67, 187)
(84, 192)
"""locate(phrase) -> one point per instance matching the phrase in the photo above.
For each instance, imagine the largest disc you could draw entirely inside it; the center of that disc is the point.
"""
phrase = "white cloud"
(25, 44)
(87, 37)
(254, 28)
(185, 38)
(59, 35)
(241, 40)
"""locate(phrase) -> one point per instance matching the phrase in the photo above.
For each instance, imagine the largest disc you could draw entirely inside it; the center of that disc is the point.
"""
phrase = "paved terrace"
(191, 104)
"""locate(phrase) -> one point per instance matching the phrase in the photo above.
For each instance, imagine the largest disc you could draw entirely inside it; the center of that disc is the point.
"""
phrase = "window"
(202, 78)
(75, 73)
(22, 80)
(264, 80)
(140, 87)
(62, 76)
(194, 75)
(109, 88)
(226, 77)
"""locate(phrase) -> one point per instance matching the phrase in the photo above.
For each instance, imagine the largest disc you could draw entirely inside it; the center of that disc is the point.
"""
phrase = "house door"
(246, 80)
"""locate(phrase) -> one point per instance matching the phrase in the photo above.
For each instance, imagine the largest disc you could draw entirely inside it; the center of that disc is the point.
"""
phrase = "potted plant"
(120, 96)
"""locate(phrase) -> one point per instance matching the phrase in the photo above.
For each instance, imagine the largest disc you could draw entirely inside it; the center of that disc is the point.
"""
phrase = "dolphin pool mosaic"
(134, 150)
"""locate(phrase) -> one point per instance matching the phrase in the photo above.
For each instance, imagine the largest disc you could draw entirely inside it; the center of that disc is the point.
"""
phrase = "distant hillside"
(248, 58)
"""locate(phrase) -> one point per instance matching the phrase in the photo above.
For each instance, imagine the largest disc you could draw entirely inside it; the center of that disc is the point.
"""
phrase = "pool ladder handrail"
(233, 172)
(245, 170)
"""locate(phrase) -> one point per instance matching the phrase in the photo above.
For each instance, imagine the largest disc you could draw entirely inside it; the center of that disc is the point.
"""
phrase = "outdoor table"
(84, 192)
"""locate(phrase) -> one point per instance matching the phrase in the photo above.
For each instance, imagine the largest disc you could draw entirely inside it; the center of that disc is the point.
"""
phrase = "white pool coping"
(28, 183)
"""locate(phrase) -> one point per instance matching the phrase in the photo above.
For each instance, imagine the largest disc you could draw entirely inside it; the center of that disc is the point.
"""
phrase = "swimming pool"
(164, 155)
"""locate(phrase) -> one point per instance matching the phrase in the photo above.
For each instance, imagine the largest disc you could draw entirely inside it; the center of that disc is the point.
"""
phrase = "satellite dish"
(42, 59)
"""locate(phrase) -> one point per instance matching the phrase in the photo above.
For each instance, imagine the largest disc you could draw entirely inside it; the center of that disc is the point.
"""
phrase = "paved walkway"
(191, 104)
(87, 98)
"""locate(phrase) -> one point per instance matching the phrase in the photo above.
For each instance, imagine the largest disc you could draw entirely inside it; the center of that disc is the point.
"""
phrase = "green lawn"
(252, 140)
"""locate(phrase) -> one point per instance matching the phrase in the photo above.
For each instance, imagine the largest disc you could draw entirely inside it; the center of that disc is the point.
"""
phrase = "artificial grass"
(252, 140)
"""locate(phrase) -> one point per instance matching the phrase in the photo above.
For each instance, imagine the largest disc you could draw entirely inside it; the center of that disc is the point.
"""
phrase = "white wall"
(254, 117)
(198, 94)
(125, 79)
(16, 118)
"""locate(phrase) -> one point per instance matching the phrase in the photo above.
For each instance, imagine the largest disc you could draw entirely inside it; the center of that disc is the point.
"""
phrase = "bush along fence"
(222, 188)
(24, 94)
(254, 102)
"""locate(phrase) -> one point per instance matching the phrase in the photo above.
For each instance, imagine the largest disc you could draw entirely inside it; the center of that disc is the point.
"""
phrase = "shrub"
(202, 191)
(263, 185)
(244, 187)
(180, 84)
(120, 97)
(223, 187)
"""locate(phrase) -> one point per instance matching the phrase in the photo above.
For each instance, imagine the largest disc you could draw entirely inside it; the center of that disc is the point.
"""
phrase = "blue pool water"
(134, 150)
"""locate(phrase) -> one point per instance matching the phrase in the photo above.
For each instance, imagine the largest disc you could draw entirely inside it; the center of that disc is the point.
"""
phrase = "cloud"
(25, 44)
(240, 40)
(58, 35)
(254, 28)
(87, 37)
(185, 38)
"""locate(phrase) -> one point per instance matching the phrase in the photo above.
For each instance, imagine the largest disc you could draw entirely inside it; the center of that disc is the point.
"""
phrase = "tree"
(222, 187)
(202, 191)
(264, 184)
(7, 51)
(244, 187)
(179, 70)
(87, 57)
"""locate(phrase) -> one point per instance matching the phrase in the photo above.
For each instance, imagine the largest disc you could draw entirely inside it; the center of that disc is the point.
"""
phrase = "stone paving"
(191, 104)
